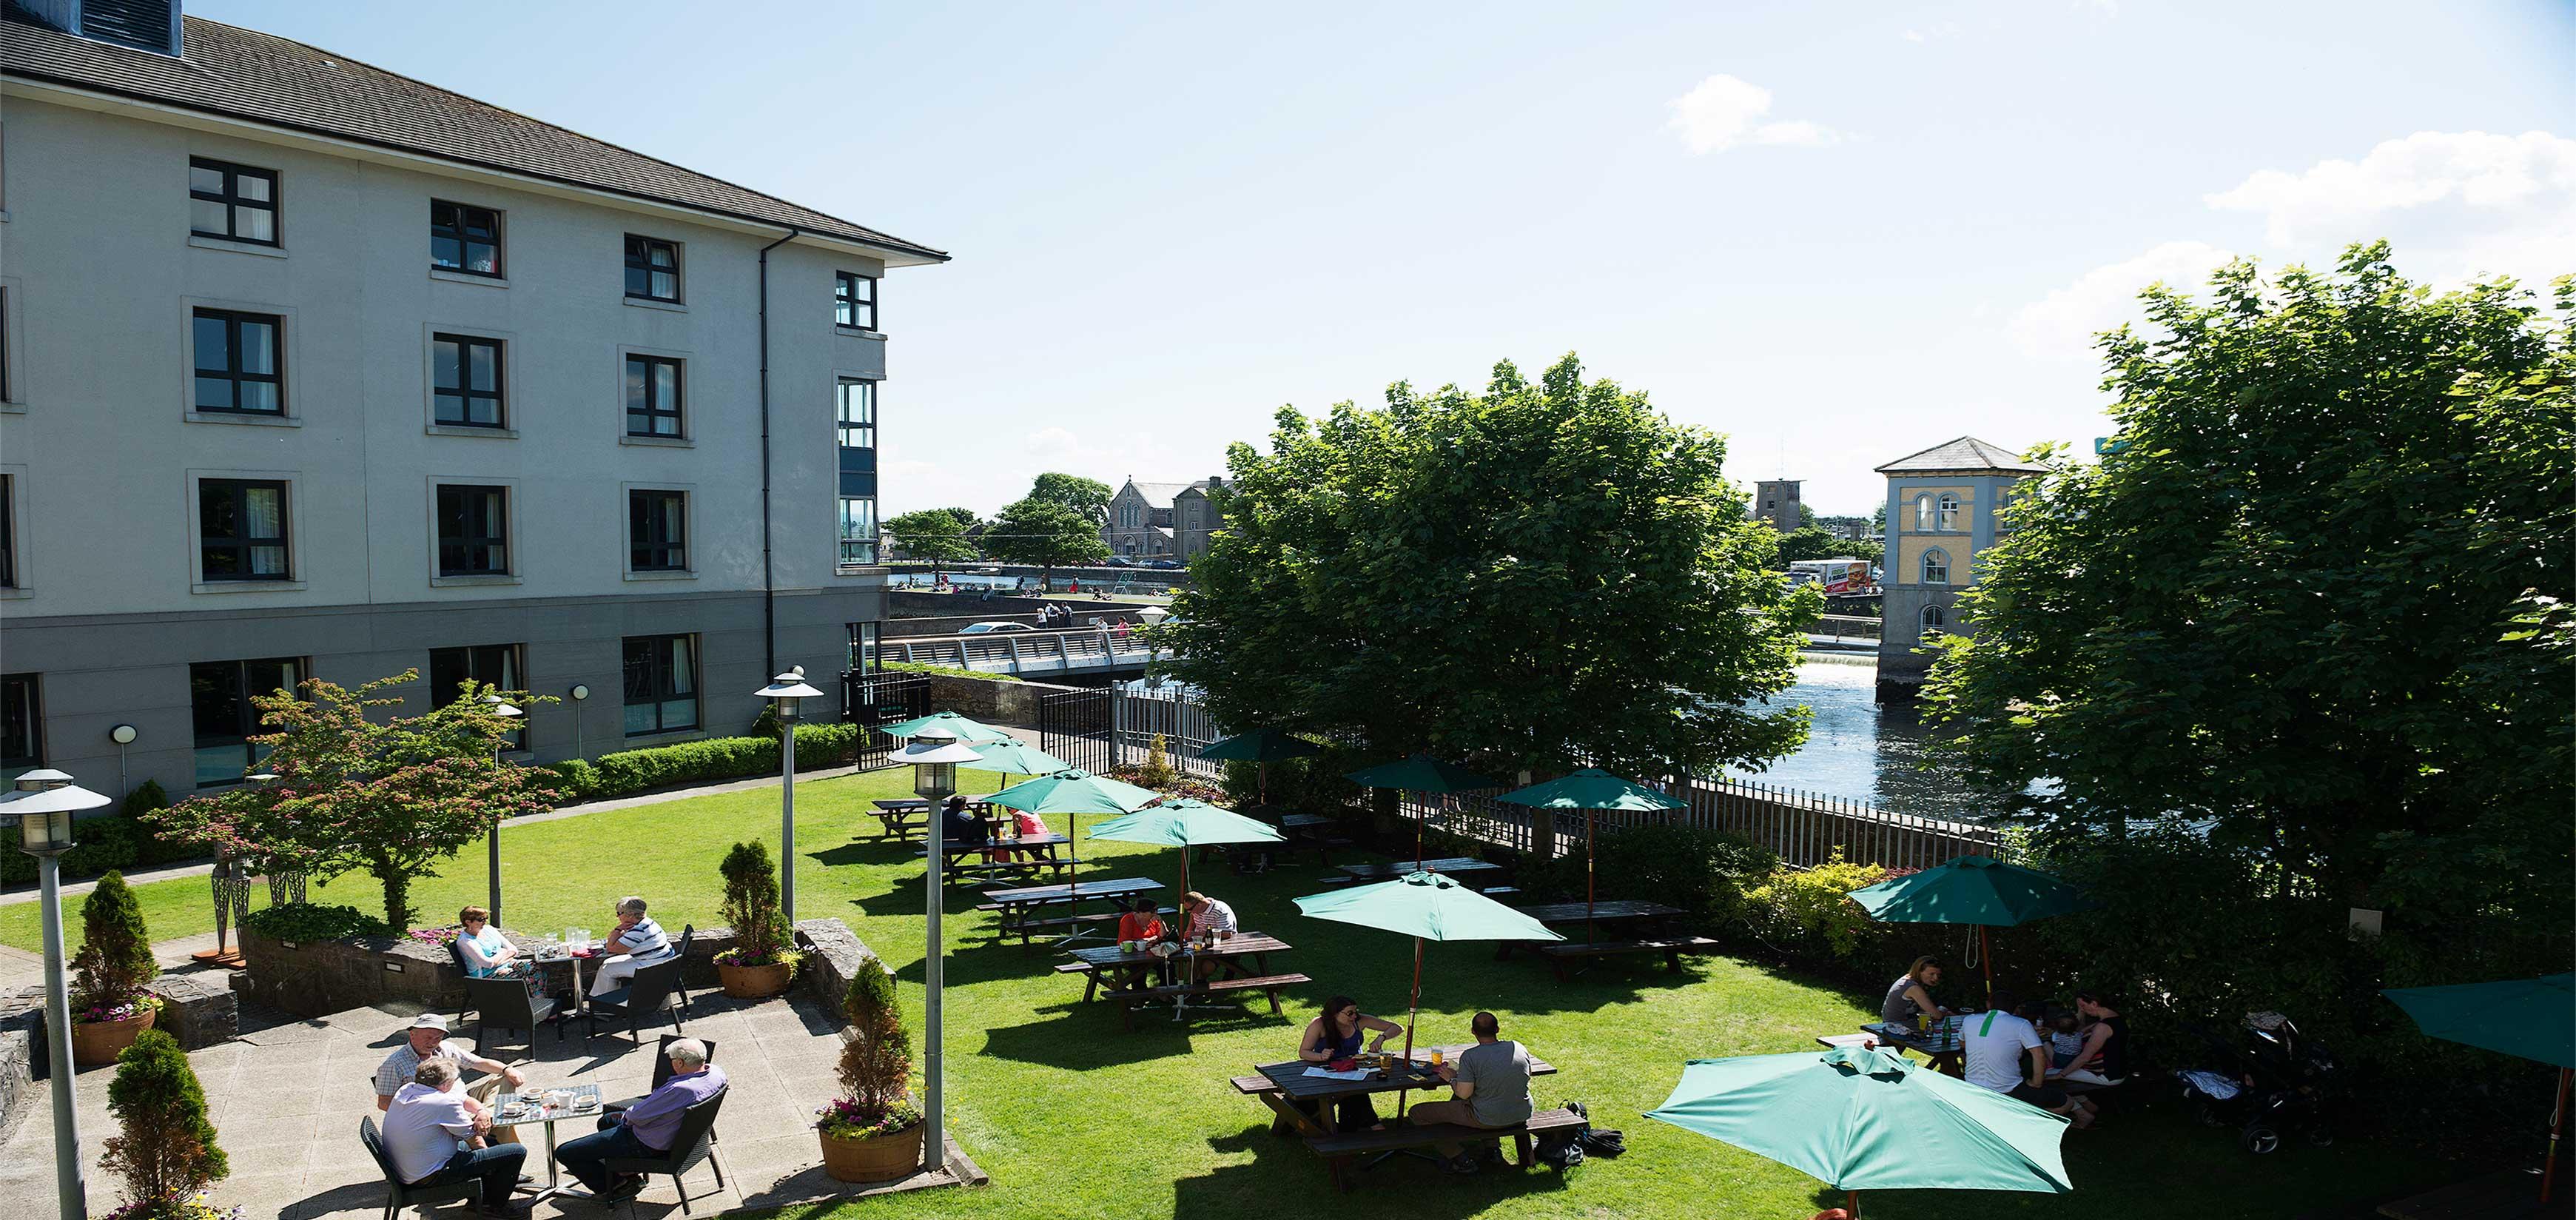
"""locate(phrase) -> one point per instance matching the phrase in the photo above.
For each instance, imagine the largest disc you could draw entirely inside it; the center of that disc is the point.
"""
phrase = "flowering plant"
(192, 1208)
(104, 1008)
(748, 956)
(441, 937)
(845, 1119)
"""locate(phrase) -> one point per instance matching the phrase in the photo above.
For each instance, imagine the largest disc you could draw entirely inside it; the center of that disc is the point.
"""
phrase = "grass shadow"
(1428, 1191)
(1081, 1041)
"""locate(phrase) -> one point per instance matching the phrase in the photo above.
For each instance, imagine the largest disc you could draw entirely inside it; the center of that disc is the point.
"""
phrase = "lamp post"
(1153, 616)
(45, 803)
(784, 693)
(123, 735)
(934, 755)
(492, 842)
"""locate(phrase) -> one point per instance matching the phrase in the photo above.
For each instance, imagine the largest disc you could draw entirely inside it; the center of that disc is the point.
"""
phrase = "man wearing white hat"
(427, 1039)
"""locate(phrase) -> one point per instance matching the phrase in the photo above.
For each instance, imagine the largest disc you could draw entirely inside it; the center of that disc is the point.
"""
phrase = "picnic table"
(1238, 963)
(1635, 927)
(1454, 866)
(1285, 1086)
(1016, 909)
(1945, 1044)
(1036, 854)
(902, 818)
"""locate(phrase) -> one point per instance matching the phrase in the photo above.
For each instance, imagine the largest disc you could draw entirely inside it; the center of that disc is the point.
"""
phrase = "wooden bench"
(1561, 952)
(1273, 984)
(1340, 1149)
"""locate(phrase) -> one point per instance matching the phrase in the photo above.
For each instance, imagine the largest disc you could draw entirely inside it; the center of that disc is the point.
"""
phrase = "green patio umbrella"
(1074, 792)
(1424, 906)
(969, 732)
(1185, 823)
(1589, 789)
(1863, 1118)
(2529, 1018)
(1421, 773)
(1011, 756)
(1262, 747)
(1978, 890)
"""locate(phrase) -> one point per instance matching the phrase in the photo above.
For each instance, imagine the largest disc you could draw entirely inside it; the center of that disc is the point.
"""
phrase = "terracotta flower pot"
(753, 982)
(880, 1158)
(97, 1042)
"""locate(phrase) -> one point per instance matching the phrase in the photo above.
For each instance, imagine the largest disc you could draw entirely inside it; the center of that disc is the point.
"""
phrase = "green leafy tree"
(967, 518)
(934, 534)
(1087, 496)
(392, 798)
(1045, 535)
(165, 1147)
(876, 1058)
(1812, 542)
(751, 908)
(1543, 574)
(2311, 601)
(1806, 516)
(115, 959)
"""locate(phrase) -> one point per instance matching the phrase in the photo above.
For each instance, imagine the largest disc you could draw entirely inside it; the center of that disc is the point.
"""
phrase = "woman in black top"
(2106, 1038)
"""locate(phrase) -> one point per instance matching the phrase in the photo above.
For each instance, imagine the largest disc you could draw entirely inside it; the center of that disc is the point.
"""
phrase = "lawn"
(1075, 1118)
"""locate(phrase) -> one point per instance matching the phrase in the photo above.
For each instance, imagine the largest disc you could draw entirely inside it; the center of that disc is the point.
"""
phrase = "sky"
(1836, 234)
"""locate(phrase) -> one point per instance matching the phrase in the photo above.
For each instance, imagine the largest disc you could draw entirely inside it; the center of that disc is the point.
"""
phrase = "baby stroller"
(2274, 1085)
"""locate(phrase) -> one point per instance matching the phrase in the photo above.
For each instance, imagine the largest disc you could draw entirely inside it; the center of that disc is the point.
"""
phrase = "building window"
(1923, 514)
(1936, 567)
(241, 529)
(464, 238)
(219, 695)
(1949, 512)
(22, 732)
(858, 530)
(863, 647)
(661, 684)
(238, 362)
(652, 269)
(652, 396)
(855, 414)
(233, 202)
(8, 531)
(465, 381)
(499, 666)
(1933, 620)
(658, 531)
(473, 531)
(5, 395)
(854, 300)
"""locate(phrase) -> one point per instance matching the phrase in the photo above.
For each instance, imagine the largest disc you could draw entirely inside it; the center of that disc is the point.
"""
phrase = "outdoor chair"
(398, 1195)
(661, 1074)
(653, 991)
(508, 1003)
(680, 953)
(695, 1143)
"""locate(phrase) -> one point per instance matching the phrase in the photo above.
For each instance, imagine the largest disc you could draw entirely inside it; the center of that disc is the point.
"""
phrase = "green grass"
(1075, 1118)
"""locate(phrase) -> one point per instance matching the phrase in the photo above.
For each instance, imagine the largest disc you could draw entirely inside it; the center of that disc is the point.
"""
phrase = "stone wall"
(199, 1009)
(833, 954)
(991, 701)
(317, 978)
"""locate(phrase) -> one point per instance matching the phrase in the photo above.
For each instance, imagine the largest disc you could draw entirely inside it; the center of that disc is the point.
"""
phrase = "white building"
(315, 370)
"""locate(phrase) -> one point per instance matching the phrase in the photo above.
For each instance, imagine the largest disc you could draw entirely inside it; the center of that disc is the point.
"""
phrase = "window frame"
(499, 394)
(1923, 567)
(232, 320)
(658, 663)
(238, 490)
(638, 545)
(31, 688)
(9, 531)
(847, 301)
(246, 716)
(498, 537)
(513, 657)
(1932, 620)
(1946, 512)
(678, 286)
(678, 410)
(232, 199)
(499, 243)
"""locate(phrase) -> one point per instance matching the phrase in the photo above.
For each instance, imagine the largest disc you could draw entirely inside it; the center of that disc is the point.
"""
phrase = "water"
(1859, 749)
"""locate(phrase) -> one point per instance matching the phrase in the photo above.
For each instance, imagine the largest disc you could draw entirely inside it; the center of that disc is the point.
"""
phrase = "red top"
(1132, 926)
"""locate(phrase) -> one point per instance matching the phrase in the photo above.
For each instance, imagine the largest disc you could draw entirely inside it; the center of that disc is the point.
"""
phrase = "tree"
(391, 799)
(934, 534)
(1546, 574)
(165, 1148)
(115, 959)
(1806, 516)
(750, 906)
(1089, 497)
(1044, 534)
(2305, 601)
(876, 1058)
(967, 519)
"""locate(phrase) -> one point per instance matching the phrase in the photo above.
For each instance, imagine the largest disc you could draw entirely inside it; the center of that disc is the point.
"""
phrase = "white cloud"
(1050, 442)
(1723, 112)
(2062, 324)
(1932, 33)
(2501, 176)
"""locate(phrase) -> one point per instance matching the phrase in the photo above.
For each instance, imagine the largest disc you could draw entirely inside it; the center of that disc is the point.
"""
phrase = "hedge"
(950, 671)
(714, 759)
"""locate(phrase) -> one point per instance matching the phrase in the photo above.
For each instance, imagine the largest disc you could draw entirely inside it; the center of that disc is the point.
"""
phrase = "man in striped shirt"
(636, 942)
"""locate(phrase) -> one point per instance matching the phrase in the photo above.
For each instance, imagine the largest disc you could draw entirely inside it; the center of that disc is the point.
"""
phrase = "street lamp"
(492, 842)
(784, 692)
(1153, 616)
(934, 755)
(45, 802)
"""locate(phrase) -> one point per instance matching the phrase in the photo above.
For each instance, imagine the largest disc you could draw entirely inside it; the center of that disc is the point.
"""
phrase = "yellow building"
(1940, 517)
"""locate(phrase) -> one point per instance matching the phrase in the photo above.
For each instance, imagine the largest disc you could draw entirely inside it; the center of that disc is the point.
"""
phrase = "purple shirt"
(656, 1119)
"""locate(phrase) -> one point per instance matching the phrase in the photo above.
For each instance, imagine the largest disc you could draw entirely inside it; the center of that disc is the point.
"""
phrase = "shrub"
(147, 796)
(165, 1148)
(304, 921)
(106, 844)
(1157, 771)
(1705, 872)
(917, 667)
(876, 1062)
(116, 949)
(1809, 913)
(761, 934)
(628, 772)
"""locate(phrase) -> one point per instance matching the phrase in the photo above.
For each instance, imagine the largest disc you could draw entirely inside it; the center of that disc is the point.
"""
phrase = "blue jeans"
(497, 1165)
(585, 1156)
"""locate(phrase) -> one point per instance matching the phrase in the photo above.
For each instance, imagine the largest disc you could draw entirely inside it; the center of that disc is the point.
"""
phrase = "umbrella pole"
(1986, 958)
(2557, 1125)
(1590, 854)
(1417, 867)
(1851, 1203)
(1412, 1018)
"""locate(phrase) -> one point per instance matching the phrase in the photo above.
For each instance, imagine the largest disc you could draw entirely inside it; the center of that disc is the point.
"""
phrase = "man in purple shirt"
(645, 1129)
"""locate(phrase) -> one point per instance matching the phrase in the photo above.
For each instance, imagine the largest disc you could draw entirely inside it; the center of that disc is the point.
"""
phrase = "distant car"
(1166, 564)
(1118, 561)
(981, 628)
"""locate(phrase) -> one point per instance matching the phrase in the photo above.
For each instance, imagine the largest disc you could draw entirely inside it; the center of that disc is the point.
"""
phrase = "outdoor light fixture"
(934, 755)
(45, 801)
(492, 842)
(123, 734)
(785, 692)
(1153, 615)
(580, 691)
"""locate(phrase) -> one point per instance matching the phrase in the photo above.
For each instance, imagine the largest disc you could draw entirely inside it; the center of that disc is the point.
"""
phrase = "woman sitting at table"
(1910, 995)
(485, 951)
(1335, 1035)
(1144, 924)
(1023, 824)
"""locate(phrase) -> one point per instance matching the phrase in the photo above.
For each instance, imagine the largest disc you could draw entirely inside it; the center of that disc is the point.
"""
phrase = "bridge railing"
(1013, 651)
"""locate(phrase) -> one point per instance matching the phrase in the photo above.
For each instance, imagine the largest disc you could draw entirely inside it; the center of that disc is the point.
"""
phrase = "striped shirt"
(644, 940)
(1216, 916)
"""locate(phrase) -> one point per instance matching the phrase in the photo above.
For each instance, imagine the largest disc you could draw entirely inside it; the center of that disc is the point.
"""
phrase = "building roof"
(1966, 455)
(1159, 495)
(244, 74)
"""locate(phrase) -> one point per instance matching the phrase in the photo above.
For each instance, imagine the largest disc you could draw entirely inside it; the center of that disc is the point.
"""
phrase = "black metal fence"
(1075, 726)
(872, 699)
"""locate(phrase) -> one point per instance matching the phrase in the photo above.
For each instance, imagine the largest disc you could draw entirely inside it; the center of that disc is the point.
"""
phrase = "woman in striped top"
(636, 942)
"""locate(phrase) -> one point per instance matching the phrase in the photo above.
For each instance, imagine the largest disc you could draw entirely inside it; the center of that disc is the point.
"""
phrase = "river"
(1860, 750)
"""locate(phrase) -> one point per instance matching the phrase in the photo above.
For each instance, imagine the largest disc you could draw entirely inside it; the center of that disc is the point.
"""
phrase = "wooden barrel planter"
(98, 1042)
(880, 1158)
(754, 982)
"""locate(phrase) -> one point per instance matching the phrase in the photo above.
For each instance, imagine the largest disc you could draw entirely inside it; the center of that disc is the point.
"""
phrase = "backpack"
(1594, 1140)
